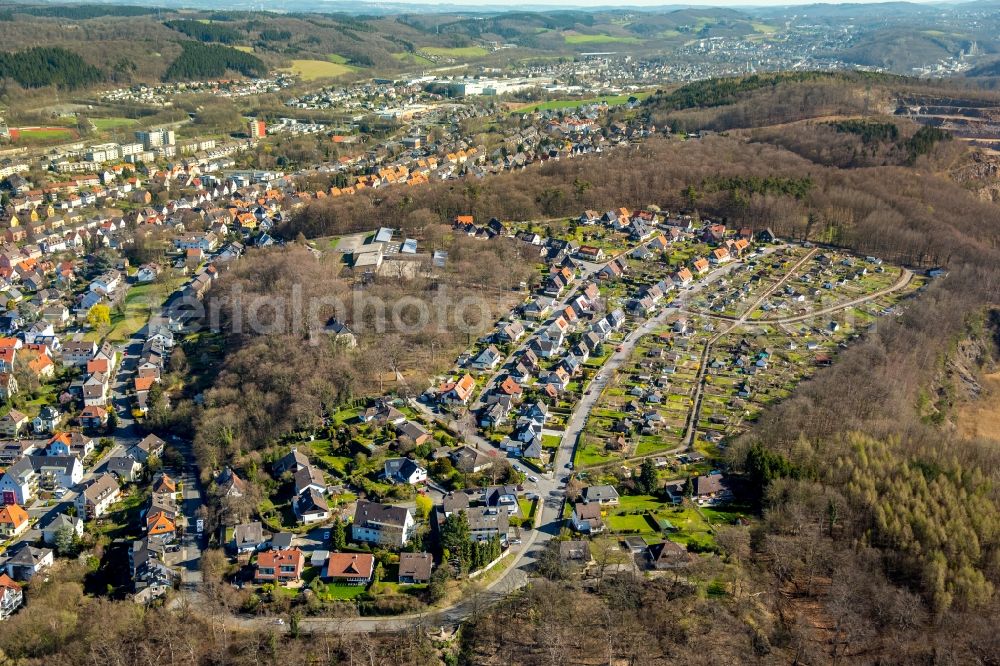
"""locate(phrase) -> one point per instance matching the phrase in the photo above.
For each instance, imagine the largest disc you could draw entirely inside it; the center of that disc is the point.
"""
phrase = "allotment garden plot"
(714, 366)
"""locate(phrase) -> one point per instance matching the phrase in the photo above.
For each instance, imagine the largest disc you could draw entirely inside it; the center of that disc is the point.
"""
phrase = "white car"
(533, 479)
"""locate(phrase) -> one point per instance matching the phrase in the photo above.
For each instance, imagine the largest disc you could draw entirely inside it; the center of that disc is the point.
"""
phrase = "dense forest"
(206, 32)
(205, 61)
(48, 66)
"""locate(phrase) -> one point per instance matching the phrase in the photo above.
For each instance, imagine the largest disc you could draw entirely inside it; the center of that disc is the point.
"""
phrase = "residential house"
(62, 521)
(669, 555)
(19, 483)
(469, 460)
(457, 392)
(11, 596)
(126, 468)
(415, 568)
(8, 385)
(382, 524)
(95, 389)
(413, 431)
(57, 471)
(575, 553)
(229, 484)
(279, 566)
(502, 498)
(605, 495)
(309, 478)
(709, 486)
(93, 417)
(292, 461)
(97, 498)
(248, 537)
(12, 423)
(350, 568)
(404, 470)
(70, 444)
(25, 561)
(486, 523)
(13, 520)
(160, 526)
(510, 332)
(47, 421)
(488, 359)
(587, 517)
(78, 352)
(311, 507)
(150, 446)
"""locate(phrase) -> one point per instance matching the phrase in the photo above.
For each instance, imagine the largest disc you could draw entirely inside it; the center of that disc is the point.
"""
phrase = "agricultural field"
(602, 38)
(310, 70)
(458, 52)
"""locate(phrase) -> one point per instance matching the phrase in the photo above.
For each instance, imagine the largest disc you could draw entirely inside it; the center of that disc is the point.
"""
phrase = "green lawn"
(638, 503)
(337, 58)
(338, 592)
(633, 523)
(112, 123)
(528, 509)
(551, 441)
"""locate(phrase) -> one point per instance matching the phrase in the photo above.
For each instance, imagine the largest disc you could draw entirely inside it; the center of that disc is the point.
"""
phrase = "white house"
(382, 524)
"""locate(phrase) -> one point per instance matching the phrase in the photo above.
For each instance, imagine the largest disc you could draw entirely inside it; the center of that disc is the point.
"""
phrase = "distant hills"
(386, 39)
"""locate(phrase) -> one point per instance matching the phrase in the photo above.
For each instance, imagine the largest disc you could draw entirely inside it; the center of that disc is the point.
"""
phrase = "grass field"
(337, 59)
(600, 39)
(310, 70)
(460, 52)
(412, 58)
(245, 49)
(112, 123)
(764, 28)
(611, 100)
